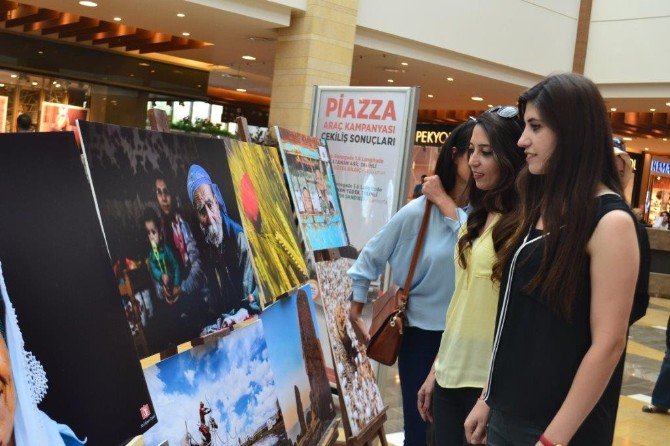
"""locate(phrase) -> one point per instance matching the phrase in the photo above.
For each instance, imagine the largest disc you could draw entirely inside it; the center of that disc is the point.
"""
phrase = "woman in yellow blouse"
(460, 369)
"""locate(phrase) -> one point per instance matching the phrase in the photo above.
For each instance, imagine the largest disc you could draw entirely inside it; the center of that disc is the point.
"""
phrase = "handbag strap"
(417, 250)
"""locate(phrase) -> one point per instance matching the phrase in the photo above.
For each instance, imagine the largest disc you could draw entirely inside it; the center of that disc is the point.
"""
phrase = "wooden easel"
(374, 429)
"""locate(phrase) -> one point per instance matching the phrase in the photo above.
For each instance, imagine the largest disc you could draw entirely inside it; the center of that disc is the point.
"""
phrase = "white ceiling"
(251, 29)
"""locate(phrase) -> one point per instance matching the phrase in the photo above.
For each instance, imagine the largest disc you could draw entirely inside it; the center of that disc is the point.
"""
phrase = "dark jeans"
(661, 395)
(506, 430)
(450, 409)
(417, 353)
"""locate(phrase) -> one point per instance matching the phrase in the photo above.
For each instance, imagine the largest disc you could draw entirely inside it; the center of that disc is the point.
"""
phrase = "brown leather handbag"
(388, 312)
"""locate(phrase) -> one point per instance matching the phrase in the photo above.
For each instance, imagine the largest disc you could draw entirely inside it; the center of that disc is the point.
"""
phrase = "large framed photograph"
(362, 399)
(221, 392)
(298, 365)
(266, 215)
(75, 371)
(169, 214)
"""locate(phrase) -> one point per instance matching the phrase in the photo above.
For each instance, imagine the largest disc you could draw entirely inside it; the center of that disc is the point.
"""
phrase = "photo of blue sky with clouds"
(232, 376)
(280, 322)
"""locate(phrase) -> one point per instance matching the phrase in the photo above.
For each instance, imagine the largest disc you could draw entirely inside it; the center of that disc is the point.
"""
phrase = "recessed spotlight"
(627, 138)
(181, 14)
(489, 105)
(613, 109)
(57, 85)
(34, 84)
(153, 71)
(14, 76)
(390, 81)
(117, 19)
(450, 79)
(248, 58)
(404, 64)
(88, 3)
(143, 64)
(242, 90)
(132, 75)
(430, 96)
(652, 109)
(477, 98)
(646, 149)
(665, 139)
(668, 104)
(2, 85)
(185, 34)
(40, 52)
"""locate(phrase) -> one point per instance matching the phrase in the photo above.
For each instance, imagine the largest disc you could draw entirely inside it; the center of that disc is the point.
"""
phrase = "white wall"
(533, 36)
(629, 42)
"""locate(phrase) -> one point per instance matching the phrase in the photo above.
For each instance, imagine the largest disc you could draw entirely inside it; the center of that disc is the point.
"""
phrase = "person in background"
(418, 188)
(433, 282)
(661, 221)
(565, 301)
(24, 123)
(624, 165)
(660, 397)
(458, 374)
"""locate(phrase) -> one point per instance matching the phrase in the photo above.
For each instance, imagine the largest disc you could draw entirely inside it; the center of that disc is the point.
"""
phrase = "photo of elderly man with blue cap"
(226, 255)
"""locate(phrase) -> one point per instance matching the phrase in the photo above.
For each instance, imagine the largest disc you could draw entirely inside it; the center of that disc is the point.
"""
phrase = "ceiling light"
(241, 90)
(652, 109)
(143, 64)
(57, 85)
(404, 64)
(489, 105)
(40, 52)
(390, 81)
(14, 76)
(2, 85)
(88, 3)
(248, 58)
(181, 14)
(668, 104)
(117, 19)
(613, 109)
(646, 149)
(477, 98)
(450, 79)
(430, 96)
(34, 84)
(665, 139)
(185, 34)
(627, 138)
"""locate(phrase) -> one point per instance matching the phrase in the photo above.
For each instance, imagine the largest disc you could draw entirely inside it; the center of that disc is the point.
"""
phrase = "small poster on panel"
(169, 214)
(313, 189)
(63, 336)
(266, 215)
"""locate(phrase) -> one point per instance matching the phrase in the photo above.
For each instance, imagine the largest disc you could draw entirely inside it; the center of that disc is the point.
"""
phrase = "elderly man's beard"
(213, 233)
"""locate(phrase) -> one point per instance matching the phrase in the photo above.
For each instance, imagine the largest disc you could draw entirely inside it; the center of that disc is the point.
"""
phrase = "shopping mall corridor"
(646, 347)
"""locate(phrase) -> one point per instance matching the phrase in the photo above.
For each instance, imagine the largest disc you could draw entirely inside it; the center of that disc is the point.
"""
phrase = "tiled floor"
(646, 347)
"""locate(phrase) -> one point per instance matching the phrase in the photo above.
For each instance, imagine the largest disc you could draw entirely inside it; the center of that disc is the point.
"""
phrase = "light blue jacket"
(433, 282)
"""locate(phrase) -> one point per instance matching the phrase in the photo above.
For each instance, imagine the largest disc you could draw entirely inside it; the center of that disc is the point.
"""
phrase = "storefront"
(50, 80)
(428, 140)
(658, 189)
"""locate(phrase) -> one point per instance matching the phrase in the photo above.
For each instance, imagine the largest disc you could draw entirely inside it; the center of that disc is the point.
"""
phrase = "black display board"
(58, 278)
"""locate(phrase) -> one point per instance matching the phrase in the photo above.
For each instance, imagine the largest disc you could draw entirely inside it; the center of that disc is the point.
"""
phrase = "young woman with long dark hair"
(459, 372)
(433, 281)
(565, 300)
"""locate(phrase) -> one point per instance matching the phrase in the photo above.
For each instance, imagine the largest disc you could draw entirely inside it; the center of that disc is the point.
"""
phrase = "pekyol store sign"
(660, 167)
(432, 135)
